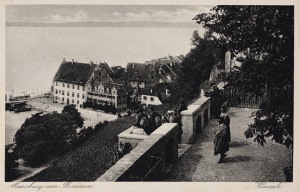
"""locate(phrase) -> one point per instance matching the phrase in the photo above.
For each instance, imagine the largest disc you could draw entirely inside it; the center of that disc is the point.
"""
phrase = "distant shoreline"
(107, 24)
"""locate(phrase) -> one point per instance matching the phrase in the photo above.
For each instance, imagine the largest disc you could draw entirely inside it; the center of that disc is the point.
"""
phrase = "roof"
(111, 85)
(148, 91)
(74, 73)
(139, 72)
(106, 67)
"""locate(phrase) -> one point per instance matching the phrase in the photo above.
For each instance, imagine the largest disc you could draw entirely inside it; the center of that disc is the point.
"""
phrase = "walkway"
(246, 160)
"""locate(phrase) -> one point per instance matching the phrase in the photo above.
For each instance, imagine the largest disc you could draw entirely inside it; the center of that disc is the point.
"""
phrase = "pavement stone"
(246, 161)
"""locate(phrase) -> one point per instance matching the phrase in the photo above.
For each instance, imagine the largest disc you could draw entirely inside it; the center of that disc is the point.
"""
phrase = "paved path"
(246, 161)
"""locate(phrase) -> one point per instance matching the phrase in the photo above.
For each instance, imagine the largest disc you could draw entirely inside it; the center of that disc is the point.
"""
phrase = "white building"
(72, 82)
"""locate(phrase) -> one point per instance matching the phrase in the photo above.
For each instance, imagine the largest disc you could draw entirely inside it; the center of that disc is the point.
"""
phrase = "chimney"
(91, 62)
(64, 60)
(72, 61)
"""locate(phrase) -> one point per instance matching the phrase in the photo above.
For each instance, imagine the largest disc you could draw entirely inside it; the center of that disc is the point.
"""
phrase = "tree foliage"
(76, 116)
(196, 66)
(267, 72)
(43, 136)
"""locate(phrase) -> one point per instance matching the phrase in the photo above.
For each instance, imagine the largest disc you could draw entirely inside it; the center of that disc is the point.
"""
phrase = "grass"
(91, 159)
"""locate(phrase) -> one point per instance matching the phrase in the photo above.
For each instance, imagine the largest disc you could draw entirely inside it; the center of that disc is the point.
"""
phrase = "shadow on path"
(238, 144)
(236, 159)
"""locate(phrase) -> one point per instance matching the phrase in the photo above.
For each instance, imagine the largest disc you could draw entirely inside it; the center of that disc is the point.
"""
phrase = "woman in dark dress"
(223, 137)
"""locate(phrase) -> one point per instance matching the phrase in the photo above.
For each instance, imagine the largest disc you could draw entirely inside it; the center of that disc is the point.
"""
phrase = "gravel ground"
(246, 161)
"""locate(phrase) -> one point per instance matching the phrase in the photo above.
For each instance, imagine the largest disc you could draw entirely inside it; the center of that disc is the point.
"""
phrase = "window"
(63, 99)
(144, 98)
(63, 85)
(56, 91)
(56, 83)
(72, 100)
(77, 95)
(63, 92)
(78, 87)
(73, 86)
(59, 91)
(68, 93)
(77, 101)
(82, 88)
(82, 96)
(68, 85)
(72, 94)
(151, 99)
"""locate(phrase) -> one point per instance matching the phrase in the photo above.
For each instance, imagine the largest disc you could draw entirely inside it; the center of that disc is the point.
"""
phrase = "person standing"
(155, 119)
(140, 114)
(174, 118)
(181, 107)
(223, 137)
(224, 117)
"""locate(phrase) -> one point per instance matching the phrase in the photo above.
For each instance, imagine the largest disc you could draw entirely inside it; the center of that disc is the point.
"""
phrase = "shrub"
(91, 159)
(43, 136)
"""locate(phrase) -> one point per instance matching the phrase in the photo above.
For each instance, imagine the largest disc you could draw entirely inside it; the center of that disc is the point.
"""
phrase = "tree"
(195, 66)
(268, 33)
(73, 112)
(44, 136)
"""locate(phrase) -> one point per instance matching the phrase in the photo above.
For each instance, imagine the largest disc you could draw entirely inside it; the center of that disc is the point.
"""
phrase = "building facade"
(71, 82)
(111, 94)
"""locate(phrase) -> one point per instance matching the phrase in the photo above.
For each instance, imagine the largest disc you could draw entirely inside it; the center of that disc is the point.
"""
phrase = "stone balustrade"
(150, 159)
(194, 119)
(131, 136)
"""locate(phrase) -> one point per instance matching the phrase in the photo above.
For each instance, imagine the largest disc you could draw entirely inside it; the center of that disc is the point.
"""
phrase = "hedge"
(91, 159)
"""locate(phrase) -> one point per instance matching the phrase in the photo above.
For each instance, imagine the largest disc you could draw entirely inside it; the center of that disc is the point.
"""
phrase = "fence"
(235, 100)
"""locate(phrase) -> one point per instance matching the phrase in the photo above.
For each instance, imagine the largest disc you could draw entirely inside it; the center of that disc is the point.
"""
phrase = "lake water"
(13, 122)
(33, 54)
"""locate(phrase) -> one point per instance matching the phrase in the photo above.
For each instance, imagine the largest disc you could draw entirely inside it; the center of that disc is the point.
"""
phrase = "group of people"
(223, 136)
(151, 122)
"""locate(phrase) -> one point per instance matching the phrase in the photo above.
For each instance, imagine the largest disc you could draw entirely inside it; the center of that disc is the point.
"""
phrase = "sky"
(102, 13)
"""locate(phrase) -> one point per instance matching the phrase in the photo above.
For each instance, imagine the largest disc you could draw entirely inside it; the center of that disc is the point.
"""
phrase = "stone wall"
(128, 136)
(149, 160)
(194, 119)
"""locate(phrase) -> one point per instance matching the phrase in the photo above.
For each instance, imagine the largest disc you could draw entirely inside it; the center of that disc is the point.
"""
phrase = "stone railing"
(194, 119)
(150, 159)
(130, 136)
